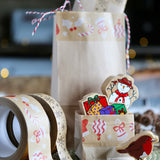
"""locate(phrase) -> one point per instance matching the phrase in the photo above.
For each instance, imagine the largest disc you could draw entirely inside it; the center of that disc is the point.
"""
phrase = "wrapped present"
(120, 109)
(95, 109)
(109, 110)
(93, 105)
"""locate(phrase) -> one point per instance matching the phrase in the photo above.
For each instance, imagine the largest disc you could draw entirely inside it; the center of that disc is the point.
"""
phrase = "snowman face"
(123, 88)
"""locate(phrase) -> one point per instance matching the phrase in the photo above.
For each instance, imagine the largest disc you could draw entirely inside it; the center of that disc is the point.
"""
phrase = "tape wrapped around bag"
(35, 122)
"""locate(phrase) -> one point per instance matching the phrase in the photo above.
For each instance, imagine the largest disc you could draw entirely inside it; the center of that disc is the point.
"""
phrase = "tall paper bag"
(87, 48)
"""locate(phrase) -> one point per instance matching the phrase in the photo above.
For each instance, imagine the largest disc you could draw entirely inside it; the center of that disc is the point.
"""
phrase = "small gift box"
(95, 104)
(95, 109)
(109, 110)
(120, 109)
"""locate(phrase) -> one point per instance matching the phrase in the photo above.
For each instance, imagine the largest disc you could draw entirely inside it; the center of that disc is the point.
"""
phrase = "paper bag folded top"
(114, 6)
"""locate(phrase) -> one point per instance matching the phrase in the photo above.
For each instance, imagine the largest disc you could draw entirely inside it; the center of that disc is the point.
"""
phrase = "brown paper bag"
(114, 6)
(97, 136)
(87, 48)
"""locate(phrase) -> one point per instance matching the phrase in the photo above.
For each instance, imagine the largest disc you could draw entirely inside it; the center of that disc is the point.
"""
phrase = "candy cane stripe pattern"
(119, 30)
(128, 41)
(83, 34)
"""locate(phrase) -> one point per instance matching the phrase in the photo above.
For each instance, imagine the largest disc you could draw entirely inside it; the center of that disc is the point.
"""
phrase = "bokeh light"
(143, 42)
(4, 73)
(132, 53)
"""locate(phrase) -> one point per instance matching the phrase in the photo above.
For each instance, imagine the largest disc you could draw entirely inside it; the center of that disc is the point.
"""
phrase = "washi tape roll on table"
(33, 128)
(61, 124)
(13, 128)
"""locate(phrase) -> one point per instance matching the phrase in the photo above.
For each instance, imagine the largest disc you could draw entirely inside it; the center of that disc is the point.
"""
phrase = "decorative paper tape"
(61, 124)
(14, 137)
(93, 26)
(36, 120)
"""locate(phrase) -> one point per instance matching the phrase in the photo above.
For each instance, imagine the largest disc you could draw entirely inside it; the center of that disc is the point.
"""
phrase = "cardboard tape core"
(13, 129)
(7, 148)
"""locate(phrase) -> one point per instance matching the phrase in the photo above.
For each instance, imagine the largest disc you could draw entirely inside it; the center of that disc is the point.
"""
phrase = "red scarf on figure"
(120, 95)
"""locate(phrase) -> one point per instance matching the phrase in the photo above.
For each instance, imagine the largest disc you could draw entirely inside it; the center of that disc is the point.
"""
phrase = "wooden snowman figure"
(120, 89)
(121, 94)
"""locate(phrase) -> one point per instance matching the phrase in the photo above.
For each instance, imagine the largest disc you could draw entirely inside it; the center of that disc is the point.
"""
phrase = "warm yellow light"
(4, 73)
(132, 53)
(143, 42)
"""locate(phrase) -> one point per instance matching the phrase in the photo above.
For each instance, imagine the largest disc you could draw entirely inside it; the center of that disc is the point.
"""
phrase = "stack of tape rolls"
(31, 128)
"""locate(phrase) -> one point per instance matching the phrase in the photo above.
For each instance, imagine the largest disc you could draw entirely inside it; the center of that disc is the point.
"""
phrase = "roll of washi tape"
(13, 128)
(46, 100)
(34, 126)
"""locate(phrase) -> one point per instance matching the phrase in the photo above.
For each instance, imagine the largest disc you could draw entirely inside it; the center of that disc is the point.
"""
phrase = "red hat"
(126, 81)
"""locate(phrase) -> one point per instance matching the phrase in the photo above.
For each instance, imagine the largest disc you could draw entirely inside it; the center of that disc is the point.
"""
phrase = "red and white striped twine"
(128, 41)
(42, 18)
(80, 5)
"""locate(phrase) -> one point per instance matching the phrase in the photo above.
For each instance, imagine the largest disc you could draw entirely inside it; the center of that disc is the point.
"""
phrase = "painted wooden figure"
(120, 89)
(140, 146)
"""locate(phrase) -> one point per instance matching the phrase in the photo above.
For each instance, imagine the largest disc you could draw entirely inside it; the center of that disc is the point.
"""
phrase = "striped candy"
(83, 34)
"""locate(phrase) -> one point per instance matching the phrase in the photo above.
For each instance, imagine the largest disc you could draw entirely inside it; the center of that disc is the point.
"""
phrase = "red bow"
(37, 134)
(120, 95)
(119, 128)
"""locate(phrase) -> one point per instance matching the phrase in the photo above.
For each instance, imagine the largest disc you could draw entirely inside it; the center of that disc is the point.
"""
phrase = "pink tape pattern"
(128, 41)
(119, 30)
(83, 34)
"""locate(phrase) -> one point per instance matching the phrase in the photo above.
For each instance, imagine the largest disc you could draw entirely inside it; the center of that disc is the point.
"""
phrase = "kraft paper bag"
(97, 136)
(87, 48)
(114, 6)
